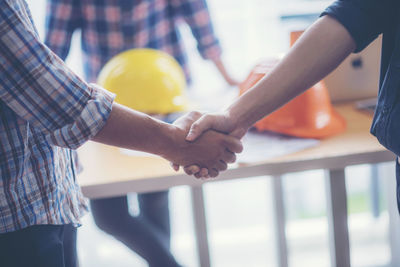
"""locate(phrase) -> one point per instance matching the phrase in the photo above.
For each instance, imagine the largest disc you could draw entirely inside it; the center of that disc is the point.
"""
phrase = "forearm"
(219, 64)
(135, 130)
(319, 51)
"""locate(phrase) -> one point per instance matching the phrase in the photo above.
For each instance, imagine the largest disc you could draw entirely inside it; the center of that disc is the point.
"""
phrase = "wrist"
(239, 124)
(174, 144)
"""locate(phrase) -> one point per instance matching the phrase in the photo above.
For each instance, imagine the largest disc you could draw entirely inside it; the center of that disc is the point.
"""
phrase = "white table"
(109, 173)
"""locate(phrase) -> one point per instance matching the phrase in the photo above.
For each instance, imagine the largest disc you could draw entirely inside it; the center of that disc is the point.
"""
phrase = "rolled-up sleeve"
(197, 16)
(40, 88)
(363, 19)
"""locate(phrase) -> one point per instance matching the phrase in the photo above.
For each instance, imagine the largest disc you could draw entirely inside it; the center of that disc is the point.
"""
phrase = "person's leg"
(112, 216)
(36, 246)
(155, 208)
(70, 253)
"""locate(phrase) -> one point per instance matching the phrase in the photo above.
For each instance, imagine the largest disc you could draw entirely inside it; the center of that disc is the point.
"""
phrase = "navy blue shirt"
(365, 20)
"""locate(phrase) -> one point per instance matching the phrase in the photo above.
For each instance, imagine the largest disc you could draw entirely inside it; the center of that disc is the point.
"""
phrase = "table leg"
(374, 191)
(279, 221)
(200, 223)
(337, 218)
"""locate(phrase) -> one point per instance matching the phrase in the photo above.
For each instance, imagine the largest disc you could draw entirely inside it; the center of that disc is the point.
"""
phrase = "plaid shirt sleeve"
(363, 19)
(63, 18)
(197, 16)
(41, 89)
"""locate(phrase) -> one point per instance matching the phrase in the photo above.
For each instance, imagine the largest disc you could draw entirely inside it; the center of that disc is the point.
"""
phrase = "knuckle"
(194, 114)
(195, 126)
(227, 157)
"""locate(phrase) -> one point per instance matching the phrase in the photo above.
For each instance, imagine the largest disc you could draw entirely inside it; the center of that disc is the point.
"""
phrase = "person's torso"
(37, 180)
(385, 124)
(111, 27)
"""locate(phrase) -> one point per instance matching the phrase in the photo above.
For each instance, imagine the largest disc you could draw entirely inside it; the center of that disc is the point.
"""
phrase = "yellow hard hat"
(146, 80)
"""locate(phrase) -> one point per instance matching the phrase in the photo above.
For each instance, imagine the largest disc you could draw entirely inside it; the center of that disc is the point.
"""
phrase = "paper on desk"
(135, 153)
(262, 146)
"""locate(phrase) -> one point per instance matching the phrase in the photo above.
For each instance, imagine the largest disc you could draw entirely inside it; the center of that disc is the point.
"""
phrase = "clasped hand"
(207, 152)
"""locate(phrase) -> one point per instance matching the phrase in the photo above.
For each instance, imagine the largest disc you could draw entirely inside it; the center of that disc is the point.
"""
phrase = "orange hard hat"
(309, 115)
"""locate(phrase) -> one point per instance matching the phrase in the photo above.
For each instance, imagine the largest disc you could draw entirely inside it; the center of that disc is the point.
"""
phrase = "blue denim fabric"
(39, 245)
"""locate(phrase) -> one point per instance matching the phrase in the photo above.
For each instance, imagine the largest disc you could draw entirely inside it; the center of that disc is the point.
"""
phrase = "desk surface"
(108, 172)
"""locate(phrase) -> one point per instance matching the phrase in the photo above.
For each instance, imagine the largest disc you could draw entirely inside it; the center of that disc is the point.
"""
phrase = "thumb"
(198, 127)
(238, 133)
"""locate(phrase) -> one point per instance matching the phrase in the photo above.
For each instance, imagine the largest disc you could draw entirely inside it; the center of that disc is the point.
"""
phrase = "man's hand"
(184, 123)
(211, 152)
(220, 122)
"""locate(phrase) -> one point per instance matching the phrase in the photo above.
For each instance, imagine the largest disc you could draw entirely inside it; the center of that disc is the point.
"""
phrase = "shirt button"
(385, 110)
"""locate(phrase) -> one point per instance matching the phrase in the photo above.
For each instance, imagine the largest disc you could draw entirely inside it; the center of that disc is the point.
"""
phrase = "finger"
(204, 172)
(229, 157)
(238, 133)
(189, 170)
(213, 172)
(233, 144)
(222, 166)
(198, 127)
(195, 115)
(186, 120)
(174, 166)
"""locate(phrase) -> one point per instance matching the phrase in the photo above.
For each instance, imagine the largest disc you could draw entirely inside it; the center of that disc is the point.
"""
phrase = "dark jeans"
(39, 246)
(148, 234)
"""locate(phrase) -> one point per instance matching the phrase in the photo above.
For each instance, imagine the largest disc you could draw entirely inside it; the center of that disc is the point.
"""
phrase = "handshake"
(205, 143)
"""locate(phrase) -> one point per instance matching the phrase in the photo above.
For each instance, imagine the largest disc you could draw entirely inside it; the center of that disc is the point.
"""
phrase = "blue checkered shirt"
(45, 111)
(110, 27)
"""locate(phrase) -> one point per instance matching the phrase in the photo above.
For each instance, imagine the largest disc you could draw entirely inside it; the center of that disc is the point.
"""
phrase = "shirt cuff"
(90, 121)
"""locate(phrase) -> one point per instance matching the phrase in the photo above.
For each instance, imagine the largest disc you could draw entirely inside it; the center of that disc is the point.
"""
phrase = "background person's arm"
(60, 28)
(197, 16)
(220, 65)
